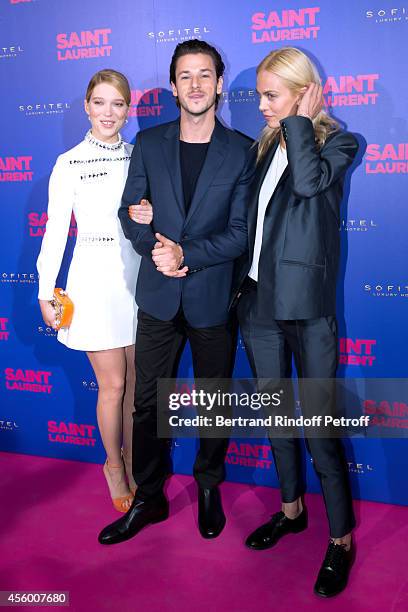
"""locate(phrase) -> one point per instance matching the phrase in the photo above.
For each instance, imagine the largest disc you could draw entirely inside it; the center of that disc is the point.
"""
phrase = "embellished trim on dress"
(104, 145)
(95, 239)
(99, 159)
(92, 176)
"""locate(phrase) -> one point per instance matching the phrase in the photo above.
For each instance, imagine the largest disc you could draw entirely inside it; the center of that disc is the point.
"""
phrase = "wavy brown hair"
(297, 71)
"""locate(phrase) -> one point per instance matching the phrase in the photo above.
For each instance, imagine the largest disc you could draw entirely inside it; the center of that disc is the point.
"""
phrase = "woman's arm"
(60, 204)
(312, 170)
(141, 213)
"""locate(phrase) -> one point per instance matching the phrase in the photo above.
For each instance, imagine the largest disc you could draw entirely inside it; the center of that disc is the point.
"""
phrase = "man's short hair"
(197, 46)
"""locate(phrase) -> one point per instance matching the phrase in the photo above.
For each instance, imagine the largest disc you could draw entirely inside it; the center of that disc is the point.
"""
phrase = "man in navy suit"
(196, 173)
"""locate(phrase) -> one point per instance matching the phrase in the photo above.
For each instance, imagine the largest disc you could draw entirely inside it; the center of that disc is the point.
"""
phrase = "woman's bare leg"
(110, 370)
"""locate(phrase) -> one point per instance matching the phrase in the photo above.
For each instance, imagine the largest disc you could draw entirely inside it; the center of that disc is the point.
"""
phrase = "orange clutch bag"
(64, 308)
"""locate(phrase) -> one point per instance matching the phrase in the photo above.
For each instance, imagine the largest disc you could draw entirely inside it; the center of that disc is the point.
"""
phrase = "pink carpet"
(52, 511)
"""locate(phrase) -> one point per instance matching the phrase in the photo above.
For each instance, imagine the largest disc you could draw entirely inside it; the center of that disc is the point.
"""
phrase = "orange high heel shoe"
(121, 504)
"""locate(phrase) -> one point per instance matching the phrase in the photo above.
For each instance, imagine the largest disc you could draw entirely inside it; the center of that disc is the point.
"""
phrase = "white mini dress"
(89, 181)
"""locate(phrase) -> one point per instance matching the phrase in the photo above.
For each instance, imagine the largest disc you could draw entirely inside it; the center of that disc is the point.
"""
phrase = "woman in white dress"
(89, 180)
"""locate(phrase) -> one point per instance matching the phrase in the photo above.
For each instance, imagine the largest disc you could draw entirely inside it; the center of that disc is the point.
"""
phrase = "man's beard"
(202, 111)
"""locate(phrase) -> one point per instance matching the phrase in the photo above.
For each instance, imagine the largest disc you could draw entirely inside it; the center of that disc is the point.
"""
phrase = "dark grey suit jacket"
(300, 252)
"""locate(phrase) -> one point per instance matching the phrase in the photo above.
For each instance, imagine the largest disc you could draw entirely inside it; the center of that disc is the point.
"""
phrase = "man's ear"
(174, 89)
(220, 83)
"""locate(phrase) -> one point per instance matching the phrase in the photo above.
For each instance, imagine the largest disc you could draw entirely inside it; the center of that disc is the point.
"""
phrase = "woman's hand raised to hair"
(312, 101)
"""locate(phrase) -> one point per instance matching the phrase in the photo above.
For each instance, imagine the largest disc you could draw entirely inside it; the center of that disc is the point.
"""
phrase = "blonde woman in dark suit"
(287, 305)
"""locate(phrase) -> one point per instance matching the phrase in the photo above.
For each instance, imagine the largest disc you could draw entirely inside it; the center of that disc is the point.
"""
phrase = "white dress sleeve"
(60, 204)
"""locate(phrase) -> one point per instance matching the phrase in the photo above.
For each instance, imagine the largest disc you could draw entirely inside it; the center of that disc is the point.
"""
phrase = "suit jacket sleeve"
(313, 170)
(233, 241)
(137, 187)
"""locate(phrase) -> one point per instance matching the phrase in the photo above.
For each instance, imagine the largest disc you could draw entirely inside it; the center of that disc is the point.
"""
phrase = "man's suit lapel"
(171, 149)
(216, 153)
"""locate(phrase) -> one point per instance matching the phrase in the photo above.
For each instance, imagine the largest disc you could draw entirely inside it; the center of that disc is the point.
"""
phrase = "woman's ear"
(302, 92)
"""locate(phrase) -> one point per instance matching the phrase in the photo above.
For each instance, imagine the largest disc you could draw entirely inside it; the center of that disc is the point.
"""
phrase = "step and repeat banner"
(48, 52)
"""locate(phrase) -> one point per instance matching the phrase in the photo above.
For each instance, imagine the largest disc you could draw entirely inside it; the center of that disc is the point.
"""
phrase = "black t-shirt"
(192, 157)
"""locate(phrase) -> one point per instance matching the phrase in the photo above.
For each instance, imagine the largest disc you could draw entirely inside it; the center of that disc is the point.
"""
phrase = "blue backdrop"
(48, 52)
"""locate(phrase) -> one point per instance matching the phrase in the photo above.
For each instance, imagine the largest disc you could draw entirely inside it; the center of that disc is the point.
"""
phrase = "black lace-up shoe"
(140, 514)
(334, 572)
(267, 535)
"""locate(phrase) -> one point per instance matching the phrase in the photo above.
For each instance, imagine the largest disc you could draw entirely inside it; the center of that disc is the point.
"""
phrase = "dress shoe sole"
(328, 595)
(129, 535)
(266, 546)
(211, 536)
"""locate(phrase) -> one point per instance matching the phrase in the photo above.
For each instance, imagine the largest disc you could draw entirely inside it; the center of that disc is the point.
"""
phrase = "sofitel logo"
(13, 51)
(84, 44)
(359, 468)
(349, 90)
(23, 278)
(239, 95)
(90, 385)
(145, 103)
(283, 25)
(34, 381)
(357, 352)
(8, 425)
(387, 291)
(249, 455)
(37, 224)
(387, 414)
(43, 108)
(387, 159)
(357, 225)
(176, 35)
(71, 433)
(388, 15)
(49, 332)
(4, 334)
(19, 1)
(17, 169)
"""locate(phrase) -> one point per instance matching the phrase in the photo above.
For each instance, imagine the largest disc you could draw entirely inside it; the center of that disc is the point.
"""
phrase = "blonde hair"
(297, 71)
(113, 77)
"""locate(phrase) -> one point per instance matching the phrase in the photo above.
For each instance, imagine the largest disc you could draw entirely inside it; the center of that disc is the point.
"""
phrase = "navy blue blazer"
(212, 234)
(300, 250)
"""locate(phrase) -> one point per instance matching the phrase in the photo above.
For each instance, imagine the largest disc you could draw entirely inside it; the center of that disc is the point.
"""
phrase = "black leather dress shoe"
(268, 534)
(211, 517)
(334, 572)
(140, 514)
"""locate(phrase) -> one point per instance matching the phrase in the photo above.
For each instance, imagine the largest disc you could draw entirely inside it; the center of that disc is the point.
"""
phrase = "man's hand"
(312, 101)
(142, 212)
(168, 257)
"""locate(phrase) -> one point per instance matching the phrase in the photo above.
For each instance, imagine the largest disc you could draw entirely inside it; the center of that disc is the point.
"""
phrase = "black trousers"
(158, 345)
(313, 344)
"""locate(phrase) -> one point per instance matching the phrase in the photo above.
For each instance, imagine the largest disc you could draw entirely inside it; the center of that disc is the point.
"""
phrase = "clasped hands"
(167, 255)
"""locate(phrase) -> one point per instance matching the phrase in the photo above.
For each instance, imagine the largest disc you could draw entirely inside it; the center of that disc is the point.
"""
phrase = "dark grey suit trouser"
(313, 344)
